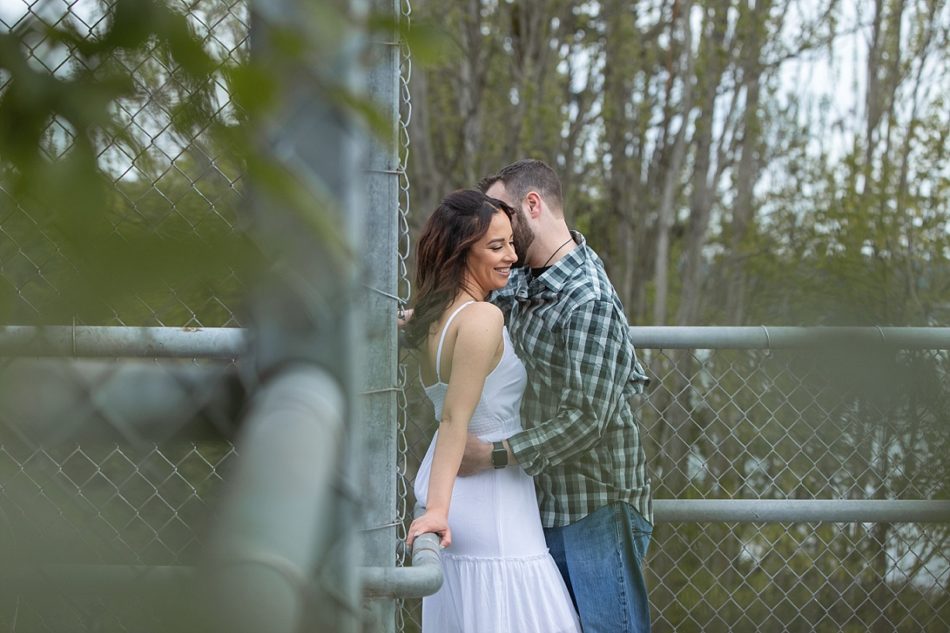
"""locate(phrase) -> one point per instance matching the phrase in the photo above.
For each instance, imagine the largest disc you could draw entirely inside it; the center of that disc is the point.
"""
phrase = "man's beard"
(523, 237)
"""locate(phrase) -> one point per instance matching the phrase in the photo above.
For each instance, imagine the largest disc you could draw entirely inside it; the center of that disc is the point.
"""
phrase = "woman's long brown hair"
(460, 220)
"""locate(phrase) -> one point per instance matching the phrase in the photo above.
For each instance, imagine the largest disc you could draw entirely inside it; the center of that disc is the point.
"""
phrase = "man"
(581, 440)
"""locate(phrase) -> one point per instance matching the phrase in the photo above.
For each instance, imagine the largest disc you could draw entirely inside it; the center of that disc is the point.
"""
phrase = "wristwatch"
(499, 455)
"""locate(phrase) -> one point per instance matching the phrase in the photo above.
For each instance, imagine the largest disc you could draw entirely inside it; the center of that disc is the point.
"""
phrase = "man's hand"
(477, 456)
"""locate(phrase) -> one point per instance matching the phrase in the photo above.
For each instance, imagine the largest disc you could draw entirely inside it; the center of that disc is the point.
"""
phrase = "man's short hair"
(485, 183)
(526, 175)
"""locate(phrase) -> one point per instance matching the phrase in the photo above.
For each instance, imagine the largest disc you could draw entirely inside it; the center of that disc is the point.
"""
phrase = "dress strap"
(438, 352)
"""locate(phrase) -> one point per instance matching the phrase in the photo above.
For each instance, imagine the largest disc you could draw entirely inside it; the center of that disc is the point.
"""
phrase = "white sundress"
(499, 576)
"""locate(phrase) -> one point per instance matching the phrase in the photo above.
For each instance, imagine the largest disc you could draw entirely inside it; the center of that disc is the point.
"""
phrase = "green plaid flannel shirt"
(581, 440)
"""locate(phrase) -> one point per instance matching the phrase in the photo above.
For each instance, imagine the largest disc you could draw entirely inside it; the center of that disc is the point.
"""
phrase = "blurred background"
(734, 162)
(737, 163)
(207, 213)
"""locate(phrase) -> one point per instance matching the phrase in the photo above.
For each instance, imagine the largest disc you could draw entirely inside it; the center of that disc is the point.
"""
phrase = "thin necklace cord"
(569, 240)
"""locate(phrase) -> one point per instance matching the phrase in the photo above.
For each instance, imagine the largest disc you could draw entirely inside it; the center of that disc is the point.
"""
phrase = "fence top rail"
(802, 510)
(783, 337)
(122, 341)
(178, 342)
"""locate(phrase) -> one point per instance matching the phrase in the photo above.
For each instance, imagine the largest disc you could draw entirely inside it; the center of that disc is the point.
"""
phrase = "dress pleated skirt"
(499, 576)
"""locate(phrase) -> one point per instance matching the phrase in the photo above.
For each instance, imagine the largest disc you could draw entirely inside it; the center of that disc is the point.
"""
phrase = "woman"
(499, 576)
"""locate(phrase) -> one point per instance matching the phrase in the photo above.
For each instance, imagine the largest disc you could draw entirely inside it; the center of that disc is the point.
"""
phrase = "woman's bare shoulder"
(482, 312)
(480, 322)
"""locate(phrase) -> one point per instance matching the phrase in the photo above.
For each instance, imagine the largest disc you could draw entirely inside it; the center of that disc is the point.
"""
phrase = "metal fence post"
(307, 210)
(378, 403)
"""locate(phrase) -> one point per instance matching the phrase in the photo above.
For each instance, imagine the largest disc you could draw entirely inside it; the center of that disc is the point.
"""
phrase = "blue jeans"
(601, 559)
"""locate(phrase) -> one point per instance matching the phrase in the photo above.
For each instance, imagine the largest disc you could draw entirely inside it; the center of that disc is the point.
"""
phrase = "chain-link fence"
(173, 186)
(108, 469)
(112, 467)
(133, 192)
(140, 509)
(853, 423)
(403, 483)
(858, 422)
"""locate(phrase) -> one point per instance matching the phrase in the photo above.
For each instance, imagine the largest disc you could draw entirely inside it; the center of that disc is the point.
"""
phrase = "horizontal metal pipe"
(161, 342)
(424, 578)
(800, 511)
(115, 341)
(769, 337)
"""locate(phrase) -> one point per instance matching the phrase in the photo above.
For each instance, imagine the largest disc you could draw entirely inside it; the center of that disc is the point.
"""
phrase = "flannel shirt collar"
(552, 281)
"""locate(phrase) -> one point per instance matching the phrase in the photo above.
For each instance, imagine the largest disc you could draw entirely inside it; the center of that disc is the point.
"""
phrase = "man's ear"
(534, 201)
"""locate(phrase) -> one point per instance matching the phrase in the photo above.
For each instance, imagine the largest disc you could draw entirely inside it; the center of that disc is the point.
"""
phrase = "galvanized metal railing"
(800, 511)
(672, 515)
(786, 491)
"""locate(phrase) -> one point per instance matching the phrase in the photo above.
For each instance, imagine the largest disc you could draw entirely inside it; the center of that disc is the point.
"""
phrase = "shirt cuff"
(528, 455)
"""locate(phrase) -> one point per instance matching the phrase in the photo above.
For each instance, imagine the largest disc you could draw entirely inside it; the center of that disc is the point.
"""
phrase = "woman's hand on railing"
(431, 522)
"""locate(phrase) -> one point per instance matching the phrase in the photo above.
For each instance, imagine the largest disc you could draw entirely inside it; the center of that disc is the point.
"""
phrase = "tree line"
(742, 162)
(734, 162)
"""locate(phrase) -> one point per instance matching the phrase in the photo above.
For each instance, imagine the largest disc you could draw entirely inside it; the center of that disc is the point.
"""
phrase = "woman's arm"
(476, 347)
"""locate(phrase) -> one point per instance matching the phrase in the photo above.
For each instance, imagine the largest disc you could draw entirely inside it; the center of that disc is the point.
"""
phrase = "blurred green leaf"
(429, 42)
(363, 107)
(91, 243)
(252, 88)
